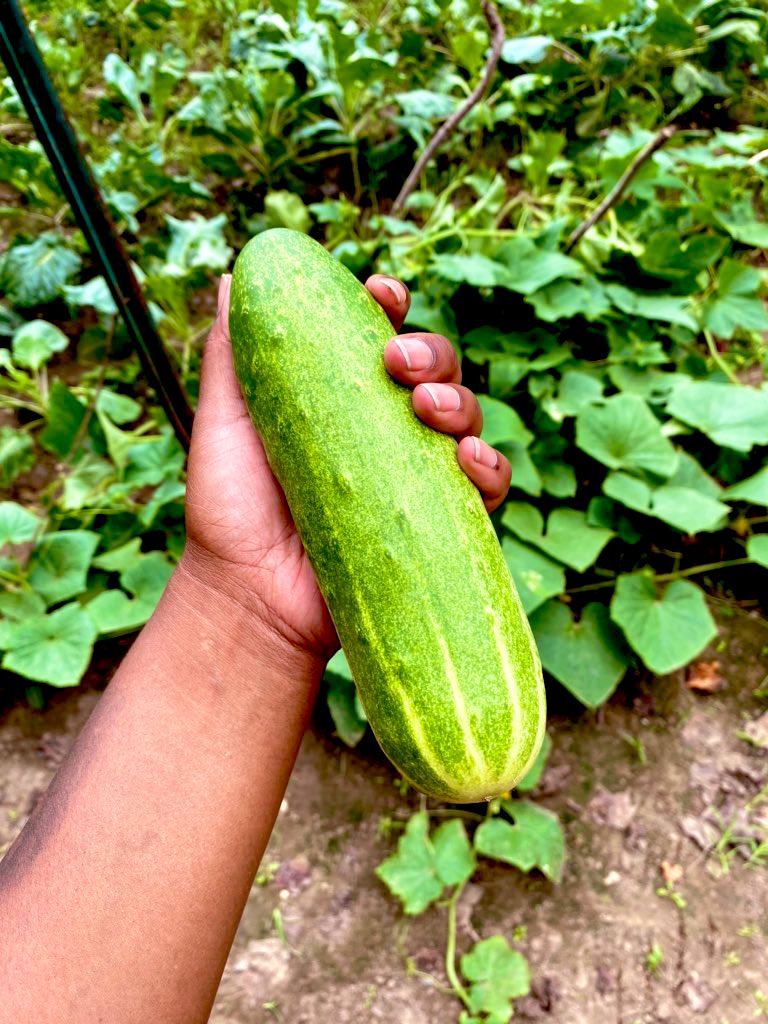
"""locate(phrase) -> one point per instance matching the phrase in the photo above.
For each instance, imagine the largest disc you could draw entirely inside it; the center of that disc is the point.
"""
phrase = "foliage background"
(623, 379)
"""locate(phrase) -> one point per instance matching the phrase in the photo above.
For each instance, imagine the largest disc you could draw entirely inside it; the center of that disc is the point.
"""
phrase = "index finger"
(392, 296)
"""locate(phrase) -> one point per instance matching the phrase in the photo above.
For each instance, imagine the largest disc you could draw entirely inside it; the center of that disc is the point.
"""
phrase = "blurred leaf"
(535, 840)
(287, 210)
(34, 274)
(735, 305)
(197, 242)
(687, 510)
(757, 549)
(476, 270)
(526, 49)
(497, 975)
(64, 417)
(59, 564)
(123, 79)
(34, 344)
(532, 777)
(93, 293)
(669, 309)
(667, 627)
(529, 268)
(587, 656)
(17, 524)
(754, 489)
(16, 454)
(54, 648)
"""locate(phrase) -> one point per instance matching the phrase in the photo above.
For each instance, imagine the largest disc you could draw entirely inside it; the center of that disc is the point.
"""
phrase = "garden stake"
(22, 58)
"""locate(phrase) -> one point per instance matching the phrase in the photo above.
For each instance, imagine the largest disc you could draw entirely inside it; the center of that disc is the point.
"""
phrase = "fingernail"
(444, 397)
(484, 454)
(418, 355)
(397, 289)
(225, 284)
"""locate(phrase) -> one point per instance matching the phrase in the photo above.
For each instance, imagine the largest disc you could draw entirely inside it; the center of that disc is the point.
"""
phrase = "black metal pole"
(22, 58)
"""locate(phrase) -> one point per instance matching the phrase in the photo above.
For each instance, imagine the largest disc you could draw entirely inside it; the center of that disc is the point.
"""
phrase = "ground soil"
(661, 785)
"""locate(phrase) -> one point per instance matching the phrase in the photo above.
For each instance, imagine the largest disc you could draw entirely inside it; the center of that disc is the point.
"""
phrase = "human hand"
(241, 539)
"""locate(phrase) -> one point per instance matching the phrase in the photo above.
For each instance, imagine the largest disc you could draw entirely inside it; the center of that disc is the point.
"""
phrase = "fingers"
(449, 408)
(487, 468)
(221, 400)
(392, 296)
(420, 357)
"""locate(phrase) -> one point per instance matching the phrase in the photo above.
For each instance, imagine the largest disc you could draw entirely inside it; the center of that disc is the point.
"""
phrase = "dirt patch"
(662, 915)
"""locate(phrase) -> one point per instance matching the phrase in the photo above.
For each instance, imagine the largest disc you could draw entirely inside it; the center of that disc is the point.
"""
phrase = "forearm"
(120, 899)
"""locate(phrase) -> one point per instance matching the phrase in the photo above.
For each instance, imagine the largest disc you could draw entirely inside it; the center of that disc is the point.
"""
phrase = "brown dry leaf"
(704, 677)
(672, 872)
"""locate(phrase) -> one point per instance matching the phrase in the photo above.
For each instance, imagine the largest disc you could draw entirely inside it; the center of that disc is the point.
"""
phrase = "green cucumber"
(401, 545)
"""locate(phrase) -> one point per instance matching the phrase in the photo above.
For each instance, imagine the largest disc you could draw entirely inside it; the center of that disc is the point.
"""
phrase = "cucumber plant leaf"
(17, 524)
(54, 648)
(502, 424)
(757, 549)
(667, 627)
(143, 576)
(623, 433)
(59, 564)
(754, 489)
(344, 704)
(587, 656)
(35, 342)
(497, 975)
(731, 415)
(35, 273)
(569, 538)
(423, 867)
(735, 305)
(687, 510)
(536, 577)
(16, 454)
(534, 839)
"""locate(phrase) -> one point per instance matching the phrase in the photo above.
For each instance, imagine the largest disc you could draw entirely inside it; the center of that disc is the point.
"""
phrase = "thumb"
(221, 400)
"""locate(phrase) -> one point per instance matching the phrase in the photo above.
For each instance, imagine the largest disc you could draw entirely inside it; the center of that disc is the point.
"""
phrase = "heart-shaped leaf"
(54, 648)
(587, 656)
(59, 564)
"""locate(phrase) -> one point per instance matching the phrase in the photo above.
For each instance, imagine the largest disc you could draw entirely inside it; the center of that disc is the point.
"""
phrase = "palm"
(237, 514)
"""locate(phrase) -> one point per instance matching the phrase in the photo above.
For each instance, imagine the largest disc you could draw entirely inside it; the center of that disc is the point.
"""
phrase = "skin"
(120, 899)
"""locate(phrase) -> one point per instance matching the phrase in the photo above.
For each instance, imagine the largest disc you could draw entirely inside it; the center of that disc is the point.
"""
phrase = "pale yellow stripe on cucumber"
(514, 696)
(422, 743)
(473, 750)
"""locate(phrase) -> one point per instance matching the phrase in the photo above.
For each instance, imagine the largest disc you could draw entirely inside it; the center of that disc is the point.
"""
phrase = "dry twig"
(620, 187)
(445, 129)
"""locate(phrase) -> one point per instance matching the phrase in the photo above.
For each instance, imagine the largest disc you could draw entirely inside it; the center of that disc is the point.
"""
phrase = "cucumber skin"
(404, 552)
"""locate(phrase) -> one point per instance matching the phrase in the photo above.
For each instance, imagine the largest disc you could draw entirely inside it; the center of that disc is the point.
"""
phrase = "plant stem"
(450, 948)
(620, 187)
(718, 360)
(697, 569)
(497, 41)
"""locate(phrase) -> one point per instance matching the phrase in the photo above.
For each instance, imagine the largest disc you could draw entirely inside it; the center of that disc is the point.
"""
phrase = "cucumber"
(403, 550)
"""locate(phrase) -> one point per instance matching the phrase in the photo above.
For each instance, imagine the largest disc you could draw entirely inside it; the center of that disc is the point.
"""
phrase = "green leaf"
(85, 483)
(757, 549)
(498, 975)
(120, 408)
(35, 343)
(125, 81)
(525, 475)
(623, 433)
(536, 577)
(732, 415)
(740, 222)
(64, 417)
(343, 701)
(687, 510)
(120, 558)
(754, 489)
(669, 309)
(535, 840)
(529, 268)
(59, 564)
(36, 273)
(144, 576)
(502, 424)
(197, 242)
(566, 299)
(532, 777)
(475, 270)
(94, 293)
(17, 454)
(526, 49)
(20, 604)
(454, 856)
(421, 868)
(577, 391)
(735, 305)
(17, 524)
(587, 656)
(54, 648)
(287, 210)
(667, 629)
(569, 538)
